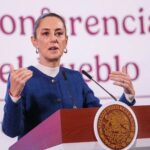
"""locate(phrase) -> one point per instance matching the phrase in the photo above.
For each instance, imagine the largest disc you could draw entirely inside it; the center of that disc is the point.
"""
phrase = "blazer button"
(53, 81)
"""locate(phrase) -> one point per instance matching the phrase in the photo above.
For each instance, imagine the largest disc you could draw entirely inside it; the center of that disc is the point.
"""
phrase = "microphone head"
(86, 74)
(64, 75)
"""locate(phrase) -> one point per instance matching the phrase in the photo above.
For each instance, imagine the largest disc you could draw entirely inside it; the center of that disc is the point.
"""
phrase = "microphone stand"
(90, 77)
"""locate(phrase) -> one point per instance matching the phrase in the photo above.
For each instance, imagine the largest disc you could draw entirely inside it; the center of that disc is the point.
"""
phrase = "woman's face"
(51, 40)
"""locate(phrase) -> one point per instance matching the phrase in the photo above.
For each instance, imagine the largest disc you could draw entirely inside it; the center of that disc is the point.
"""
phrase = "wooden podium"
(73, 125)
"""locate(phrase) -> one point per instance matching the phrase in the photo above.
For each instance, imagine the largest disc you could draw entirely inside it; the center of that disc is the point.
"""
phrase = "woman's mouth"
(53, 48)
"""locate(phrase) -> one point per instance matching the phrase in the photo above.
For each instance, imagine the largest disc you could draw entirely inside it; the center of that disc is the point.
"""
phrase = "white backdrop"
(103, 35)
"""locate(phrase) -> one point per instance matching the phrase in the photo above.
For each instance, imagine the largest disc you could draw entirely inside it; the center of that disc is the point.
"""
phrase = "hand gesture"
(18, 79)
(122, 79)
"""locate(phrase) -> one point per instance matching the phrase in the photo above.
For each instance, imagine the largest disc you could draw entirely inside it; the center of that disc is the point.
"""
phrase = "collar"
(52, 72)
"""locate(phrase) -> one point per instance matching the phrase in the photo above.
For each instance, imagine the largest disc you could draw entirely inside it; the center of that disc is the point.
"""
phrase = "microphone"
(69, 91)
(64, 75)
(90, 77)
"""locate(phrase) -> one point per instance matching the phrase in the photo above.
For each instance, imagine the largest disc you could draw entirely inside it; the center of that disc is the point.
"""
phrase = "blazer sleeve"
(124, 100)
(12, 123)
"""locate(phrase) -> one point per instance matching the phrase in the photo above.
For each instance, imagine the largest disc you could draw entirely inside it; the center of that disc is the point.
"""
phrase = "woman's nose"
(53, 38)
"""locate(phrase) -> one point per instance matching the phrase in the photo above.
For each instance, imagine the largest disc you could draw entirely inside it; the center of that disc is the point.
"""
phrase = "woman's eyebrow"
(46, 29)
(57, 29)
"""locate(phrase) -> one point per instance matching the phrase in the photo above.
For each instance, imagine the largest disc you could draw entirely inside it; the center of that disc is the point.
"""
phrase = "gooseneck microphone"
(90, 77)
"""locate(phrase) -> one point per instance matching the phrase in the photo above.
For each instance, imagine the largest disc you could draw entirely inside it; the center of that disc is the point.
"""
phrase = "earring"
(37, 51)
(65, 51)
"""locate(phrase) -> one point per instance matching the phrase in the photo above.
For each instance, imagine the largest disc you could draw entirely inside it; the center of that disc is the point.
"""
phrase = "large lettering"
(5, 69)
(101, 69)
(92, 25)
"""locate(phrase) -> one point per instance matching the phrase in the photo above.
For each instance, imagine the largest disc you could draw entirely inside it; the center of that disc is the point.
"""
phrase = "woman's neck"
(51, 64)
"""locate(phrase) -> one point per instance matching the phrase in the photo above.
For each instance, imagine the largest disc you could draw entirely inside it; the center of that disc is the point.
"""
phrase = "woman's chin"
(54, 59)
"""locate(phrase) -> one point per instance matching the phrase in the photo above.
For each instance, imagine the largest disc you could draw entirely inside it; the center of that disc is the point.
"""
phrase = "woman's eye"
(45, 33)
(59, 33)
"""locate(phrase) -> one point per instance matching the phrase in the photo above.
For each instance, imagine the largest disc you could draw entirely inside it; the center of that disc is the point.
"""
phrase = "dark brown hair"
(37, 22)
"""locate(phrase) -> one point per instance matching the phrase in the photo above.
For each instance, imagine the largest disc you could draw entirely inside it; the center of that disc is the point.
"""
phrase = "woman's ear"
(34, 41)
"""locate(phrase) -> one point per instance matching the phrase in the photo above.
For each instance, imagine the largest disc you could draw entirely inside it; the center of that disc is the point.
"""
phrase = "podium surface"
(74, 126)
